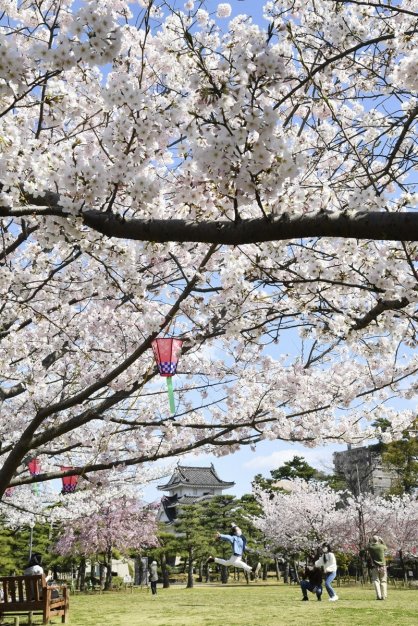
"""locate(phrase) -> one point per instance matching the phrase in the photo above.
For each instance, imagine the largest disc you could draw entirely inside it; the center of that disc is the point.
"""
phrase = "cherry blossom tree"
(394, 518)
(300, 517)
(120, 523)
(307, 514)
(166, 170)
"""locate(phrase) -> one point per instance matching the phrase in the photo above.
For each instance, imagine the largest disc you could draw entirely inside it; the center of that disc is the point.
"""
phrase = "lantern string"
(171, 395)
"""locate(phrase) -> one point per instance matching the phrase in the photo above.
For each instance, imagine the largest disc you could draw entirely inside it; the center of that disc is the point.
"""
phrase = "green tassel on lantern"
(171, 395)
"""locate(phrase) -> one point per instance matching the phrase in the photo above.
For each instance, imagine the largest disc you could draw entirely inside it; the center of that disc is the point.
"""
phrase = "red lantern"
(34, 467)
(167, 353)
(69, 483)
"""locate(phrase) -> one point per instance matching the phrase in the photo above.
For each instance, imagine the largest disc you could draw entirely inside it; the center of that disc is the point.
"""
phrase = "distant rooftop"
(203, 477)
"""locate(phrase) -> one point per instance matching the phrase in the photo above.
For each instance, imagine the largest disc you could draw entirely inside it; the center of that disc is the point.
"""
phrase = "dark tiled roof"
(169, 506)
(171, 503)
(195, 477)
(189, 500)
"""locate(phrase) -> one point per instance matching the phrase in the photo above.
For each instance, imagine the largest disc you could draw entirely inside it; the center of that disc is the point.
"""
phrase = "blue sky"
(250, 7)
(242, 466)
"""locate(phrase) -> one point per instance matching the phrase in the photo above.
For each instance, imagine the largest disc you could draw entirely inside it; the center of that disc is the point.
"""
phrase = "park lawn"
(241, 605)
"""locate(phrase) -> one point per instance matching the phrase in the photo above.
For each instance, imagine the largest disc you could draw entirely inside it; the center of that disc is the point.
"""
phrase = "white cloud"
(320, 458)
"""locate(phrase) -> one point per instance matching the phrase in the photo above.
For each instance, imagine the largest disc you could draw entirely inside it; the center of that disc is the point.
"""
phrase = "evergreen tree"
(400, 457)
(8, 558)
(15, 546)
(192, 537)
(165, 553)
(297, 467)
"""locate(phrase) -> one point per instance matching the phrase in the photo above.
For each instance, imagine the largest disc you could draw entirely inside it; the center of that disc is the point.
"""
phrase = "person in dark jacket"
(376, 550)
(312, 581)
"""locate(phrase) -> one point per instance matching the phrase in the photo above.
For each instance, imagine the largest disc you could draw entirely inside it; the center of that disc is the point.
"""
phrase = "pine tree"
(192, 537)
(297, 467)
(402, 457)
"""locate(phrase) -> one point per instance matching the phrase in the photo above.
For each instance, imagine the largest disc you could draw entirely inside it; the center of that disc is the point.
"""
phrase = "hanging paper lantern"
(69, 483)
(34, 467)
(167, 353)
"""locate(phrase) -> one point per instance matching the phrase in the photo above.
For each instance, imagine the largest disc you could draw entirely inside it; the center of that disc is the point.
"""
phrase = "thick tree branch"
(368, 225)
(20, 239)
(371, 225)
(381, 306)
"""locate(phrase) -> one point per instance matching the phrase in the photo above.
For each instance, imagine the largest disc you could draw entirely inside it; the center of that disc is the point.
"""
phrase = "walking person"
(237, 542)
(376, 550)
(328, 563)
(153, 577)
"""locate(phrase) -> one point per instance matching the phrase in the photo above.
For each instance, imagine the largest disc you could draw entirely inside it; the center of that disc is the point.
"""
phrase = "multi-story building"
(363, 469)
(189, 485)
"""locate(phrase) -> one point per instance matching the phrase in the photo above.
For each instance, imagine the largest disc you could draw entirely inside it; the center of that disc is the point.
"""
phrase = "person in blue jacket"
(237, 542)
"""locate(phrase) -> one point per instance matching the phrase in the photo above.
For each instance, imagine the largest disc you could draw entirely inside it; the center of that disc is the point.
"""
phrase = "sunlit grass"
(241, 605)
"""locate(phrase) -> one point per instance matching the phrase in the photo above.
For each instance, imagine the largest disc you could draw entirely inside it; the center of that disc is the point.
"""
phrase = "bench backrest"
(22, 588)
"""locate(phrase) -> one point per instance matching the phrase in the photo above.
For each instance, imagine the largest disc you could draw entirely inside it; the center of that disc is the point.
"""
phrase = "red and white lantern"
(34, 467)
(69, 483)
(167, 353)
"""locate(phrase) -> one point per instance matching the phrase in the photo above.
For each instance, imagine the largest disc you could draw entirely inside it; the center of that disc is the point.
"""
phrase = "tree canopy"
(311, 513)
(165, 171)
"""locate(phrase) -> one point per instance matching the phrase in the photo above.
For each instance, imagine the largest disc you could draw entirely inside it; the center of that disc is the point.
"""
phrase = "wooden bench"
(26, 595)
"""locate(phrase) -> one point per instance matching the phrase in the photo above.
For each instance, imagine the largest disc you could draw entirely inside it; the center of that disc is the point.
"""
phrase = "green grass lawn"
(241, 605)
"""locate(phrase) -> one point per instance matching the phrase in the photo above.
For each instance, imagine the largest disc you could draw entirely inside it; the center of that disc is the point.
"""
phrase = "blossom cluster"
(305, 514)
(113, 116)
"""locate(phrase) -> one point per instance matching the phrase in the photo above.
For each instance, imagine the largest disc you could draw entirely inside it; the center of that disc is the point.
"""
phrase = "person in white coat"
(328, 563)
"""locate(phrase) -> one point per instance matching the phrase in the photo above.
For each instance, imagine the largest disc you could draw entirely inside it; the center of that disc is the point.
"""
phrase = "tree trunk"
(102, 574)
(224, 574)
(81, 575)
(296, 572)
(404, 570)
(363, 569)
(277, 568)
(164, 571)
(200, 576)
(286, 572)
(265, 571)
(137, 574)
(362, 541)
(190, 579)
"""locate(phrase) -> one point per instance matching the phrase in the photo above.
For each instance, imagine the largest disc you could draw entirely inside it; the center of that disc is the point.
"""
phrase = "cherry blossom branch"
(361, 225)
